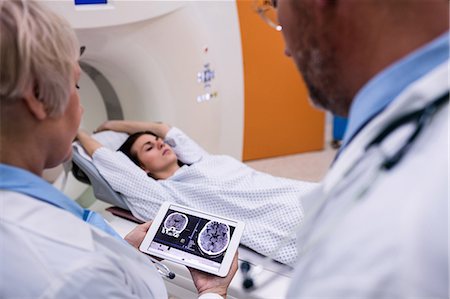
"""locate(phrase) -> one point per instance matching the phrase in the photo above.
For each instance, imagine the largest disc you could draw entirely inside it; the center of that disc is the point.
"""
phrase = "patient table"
(270, 279)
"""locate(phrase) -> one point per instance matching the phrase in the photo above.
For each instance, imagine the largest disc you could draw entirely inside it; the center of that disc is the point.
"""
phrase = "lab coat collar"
(416, 96)
(381, 90)
(45, 220)
(25, 182)
(22, 181)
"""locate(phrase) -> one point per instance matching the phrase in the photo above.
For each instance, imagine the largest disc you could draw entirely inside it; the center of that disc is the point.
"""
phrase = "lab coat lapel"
(42, 219)
(411, 99)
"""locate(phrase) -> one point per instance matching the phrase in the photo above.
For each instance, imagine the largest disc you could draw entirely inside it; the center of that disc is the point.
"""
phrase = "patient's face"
(155, 156)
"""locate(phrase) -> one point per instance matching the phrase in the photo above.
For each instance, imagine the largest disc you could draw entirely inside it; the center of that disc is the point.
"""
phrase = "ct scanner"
(174, 61)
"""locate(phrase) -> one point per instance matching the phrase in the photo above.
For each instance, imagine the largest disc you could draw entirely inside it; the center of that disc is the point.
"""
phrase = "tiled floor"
(310, 166)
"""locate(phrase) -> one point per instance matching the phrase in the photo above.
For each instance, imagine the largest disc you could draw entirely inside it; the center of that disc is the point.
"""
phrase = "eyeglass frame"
(261, 11)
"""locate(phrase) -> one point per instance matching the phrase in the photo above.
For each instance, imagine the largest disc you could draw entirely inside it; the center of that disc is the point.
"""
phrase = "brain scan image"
(214, 238)
(174, 224)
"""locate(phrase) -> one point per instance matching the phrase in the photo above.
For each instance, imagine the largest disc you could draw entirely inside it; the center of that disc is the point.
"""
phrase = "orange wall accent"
(278, 118)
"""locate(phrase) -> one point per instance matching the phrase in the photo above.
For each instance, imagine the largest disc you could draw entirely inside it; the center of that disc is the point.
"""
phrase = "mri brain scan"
(174, 224)
(214, 238)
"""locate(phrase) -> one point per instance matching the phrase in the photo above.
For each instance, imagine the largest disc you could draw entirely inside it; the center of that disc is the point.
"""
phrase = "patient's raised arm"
(130, 127)
(89, 144)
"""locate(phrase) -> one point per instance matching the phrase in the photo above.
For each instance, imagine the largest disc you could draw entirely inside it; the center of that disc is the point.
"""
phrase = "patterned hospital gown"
(270, 206)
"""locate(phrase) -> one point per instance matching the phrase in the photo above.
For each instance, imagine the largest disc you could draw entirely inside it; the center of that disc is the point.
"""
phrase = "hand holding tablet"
(196, 239)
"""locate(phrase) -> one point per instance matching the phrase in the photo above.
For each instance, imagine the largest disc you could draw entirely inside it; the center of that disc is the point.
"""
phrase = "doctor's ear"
(35, 106)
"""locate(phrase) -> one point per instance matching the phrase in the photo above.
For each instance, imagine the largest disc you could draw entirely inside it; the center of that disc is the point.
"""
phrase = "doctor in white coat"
(378, 225)
(50, 247)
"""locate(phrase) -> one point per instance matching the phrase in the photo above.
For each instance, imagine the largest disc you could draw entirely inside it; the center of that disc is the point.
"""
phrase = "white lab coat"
(393, 241)
(46, 252)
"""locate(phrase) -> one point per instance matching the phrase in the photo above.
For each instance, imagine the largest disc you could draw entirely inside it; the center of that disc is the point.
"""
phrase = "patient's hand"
(136, 236)
(89, 144)
(209, 283)
(108, 125)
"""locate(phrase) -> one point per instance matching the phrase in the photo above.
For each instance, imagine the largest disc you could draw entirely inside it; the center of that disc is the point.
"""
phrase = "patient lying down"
(158, 163)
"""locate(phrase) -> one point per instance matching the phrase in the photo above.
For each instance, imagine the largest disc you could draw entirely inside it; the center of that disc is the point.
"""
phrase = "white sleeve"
(97, 277)
(186, 149)
(210, 296)
(143, 194)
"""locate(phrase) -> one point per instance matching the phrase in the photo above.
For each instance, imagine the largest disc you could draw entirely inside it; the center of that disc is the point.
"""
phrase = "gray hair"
(38, 50)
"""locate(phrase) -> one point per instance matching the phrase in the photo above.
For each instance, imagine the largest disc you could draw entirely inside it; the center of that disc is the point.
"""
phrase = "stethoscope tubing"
(421, 117)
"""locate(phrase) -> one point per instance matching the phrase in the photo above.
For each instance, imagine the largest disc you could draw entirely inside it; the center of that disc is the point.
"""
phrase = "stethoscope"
(162, 269)
(380, 163)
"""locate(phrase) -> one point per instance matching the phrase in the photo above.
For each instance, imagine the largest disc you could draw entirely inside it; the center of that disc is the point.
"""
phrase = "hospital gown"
(270, 206)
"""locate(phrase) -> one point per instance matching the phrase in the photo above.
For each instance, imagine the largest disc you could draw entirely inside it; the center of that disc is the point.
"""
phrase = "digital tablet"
(193, 238)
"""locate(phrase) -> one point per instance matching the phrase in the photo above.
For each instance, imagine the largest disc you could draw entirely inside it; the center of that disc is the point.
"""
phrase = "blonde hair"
(38, 50)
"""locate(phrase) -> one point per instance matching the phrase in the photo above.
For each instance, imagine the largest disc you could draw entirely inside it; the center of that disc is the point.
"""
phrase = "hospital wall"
(278, 117)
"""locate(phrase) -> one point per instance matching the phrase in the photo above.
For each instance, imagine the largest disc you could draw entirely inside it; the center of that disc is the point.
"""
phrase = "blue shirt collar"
(22, 181)
(382, 89)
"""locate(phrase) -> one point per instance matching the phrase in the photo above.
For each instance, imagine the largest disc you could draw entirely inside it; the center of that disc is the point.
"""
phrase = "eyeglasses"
(267, 12)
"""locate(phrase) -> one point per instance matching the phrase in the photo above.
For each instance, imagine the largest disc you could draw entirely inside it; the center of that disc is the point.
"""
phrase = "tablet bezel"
(229, 253)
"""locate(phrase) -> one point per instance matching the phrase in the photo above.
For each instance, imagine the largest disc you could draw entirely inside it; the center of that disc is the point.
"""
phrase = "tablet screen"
(193, 239)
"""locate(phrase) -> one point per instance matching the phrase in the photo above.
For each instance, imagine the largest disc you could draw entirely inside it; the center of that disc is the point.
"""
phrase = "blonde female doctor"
(50, 246)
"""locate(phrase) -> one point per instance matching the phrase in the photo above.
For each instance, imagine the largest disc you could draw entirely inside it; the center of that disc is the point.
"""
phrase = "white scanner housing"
(179, 62)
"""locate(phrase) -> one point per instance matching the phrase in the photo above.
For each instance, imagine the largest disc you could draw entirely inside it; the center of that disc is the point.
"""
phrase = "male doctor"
(378, 225)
